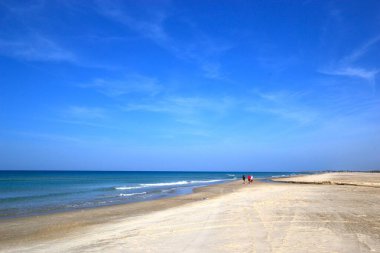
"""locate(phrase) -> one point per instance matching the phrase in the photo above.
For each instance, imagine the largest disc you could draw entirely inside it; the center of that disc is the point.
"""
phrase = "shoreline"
(191, 190)
(62, 211)
(230, 217)
(49, 226)
(32, 193)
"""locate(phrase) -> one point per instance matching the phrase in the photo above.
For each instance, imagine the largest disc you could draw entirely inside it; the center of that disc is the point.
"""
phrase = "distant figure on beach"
(250, 179)
(243, 179)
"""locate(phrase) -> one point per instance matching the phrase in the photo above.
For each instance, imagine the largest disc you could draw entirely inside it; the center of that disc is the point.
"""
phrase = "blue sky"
(190, 85)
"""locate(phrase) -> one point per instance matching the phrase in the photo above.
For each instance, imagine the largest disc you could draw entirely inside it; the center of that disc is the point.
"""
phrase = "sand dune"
(339, 178)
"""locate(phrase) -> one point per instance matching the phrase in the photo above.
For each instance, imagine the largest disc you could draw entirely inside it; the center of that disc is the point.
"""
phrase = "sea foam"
(131, 194)
(165, 184)
(123, 188)
(127, 187)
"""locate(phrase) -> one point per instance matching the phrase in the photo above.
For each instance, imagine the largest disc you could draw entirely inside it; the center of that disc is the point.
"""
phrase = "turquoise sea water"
(25, 193)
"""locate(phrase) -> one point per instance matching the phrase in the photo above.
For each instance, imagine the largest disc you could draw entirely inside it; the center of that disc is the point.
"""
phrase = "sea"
(29, 193)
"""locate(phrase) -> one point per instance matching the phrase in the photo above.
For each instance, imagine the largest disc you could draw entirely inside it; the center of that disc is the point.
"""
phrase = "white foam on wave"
(172, 183)
(168, 190)
(131, 194)
(165, 184)
(207, 181)
(279, 176)
(127, 187)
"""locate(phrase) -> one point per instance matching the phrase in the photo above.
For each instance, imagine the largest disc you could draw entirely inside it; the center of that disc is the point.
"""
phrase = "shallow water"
(25, 193)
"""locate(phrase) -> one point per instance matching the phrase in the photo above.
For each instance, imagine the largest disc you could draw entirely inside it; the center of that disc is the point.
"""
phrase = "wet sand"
(49, 227)
(263, 217)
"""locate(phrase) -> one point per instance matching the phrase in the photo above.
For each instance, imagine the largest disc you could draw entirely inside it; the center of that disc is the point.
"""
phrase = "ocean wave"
(127, 187)
(131, 194)
(168, 190)
(165, 184)
(39, 196)
(123, 188)
(207, 181)
(279, 176)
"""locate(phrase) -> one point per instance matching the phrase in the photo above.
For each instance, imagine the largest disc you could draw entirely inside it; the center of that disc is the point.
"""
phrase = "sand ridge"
(337, 178)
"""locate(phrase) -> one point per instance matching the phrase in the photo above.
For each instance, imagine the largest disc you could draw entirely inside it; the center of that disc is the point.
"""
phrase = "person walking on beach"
(243, 179)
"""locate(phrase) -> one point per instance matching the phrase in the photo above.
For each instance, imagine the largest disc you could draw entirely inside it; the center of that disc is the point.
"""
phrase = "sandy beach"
(262, 217)
(341, 178)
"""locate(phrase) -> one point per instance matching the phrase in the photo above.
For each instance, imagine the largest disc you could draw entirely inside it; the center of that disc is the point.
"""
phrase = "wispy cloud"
(88, 123)
(151, 28)
(368, 75)
(89, 117)
(130, 84)
(350, 102)
(23, 39)
(48, 136)
(347, 65)
(283, 104)
(184, 105)
(198, 48)
(212, 70)
(299, 115)
(361, 51)
(280, 96)
(41, 48)
(275, 63)
(202, 110)
(20, 8)
(36, 48)
(187, 110)
(84, 112)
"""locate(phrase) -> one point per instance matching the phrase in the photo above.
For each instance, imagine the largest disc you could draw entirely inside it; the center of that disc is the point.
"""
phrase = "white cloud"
(49, 136)
(283, 104)
(368, 75)
(212, 70)
(186, 110)
(345, 66)
(36, 48)
(200, 110)
(20, 38)
(151, 26)
(280, 96)
(83, 112)
(130, 84)
(302, 116)
(198, 48)
(361, 51)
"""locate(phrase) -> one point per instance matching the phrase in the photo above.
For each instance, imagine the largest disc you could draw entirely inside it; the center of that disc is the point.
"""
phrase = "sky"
(190, 85)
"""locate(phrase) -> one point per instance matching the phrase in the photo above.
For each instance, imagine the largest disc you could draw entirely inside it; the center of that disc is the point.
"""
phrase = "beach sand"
(261, 217)
(339, 178)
